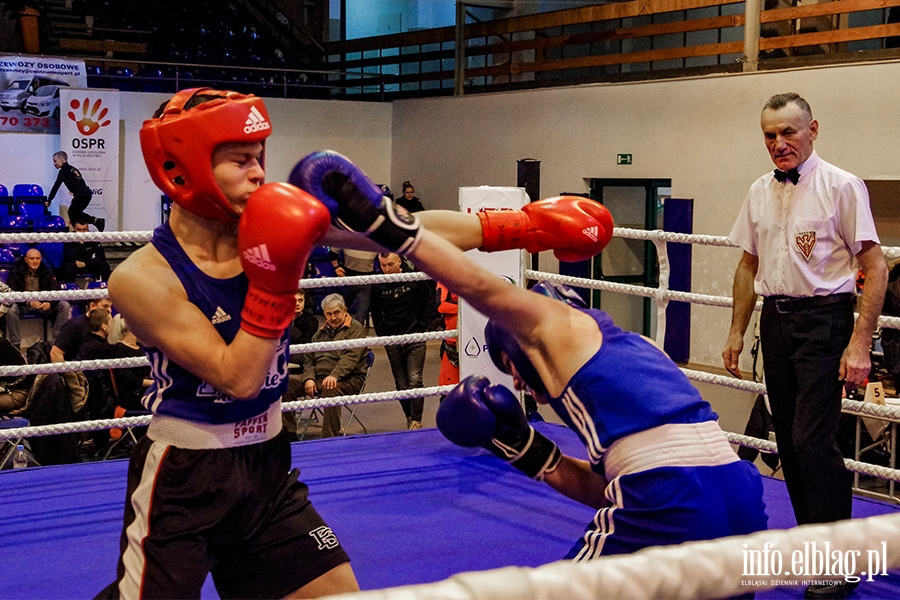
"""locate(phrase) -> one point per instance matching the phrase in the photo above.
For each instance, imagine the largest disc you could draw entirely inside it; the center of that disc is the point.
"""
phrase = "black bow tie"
(793, 175)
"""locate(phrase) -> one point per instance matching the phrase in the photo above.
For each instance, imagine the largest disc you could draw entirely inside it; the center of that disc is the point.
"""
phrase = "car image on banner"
(44, 102)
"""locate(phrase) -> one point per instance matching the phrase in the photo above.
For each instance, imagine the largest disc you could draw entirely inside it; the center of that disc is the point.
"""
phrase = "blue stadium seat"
(13, 223)
(122, 78)
(93, 285)
(29, 193)
(52, 253)
(16, 248)
(5, 201)
(95, 78)
(6, 257)
(50, 223)
(33, 213)
(153, 80)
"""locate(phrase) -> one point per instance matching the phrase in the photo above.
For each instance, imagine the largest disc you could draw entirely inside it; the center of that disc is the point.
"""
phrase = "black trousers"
(802, 344)
(76, 209)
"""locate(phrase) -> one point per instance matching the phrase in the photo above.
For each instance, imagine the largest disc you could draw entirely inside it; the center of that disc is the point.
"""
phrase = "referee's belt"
(788, 304)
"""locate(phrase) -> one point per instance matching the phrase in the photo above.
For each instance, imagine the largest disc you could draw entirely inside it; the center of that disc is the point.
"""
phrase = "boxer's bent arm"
(151, 298)
(557, 338)
(574, 479)
(460, 229)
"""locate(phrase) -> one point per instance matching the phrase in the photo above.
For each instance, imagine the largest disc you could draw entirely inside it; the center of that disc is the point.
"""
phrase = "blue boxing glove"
(356, 204)
(476, 413)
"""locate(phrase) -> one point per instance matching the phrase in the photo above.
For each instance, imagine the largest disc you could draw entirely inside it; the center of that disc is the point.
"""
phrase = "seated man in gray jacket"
(335, 372)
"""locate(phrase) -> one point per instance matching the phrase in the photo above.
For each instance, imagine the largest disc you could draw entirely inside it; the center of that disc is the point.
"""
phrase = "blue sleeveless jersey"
(178, 393)
(628, 386)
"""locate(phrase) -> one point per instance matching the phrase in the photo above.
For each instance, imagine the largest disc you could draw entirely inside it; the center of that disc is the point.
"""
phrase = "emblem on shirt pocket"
(806, 241)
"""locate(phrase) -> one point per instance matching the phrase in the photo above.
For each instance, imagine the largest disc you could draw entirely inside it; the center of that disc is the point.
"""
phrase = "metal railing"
(620, 41)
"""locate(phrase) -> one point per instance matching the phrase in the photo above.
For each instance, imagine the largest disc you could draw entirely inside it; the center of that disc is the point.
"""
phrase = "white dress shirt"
(806, 235)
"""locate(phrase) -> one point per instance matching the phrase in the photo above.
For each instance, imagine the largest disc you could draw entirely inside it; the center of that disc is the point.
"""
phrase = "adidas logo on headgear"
(256, 122)
(591, 232)
(259, 256)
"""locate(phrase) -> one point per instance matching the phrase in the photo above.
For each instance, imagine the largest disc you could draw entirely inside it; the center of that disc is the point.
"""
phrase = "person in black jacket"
(14, 389)
(30, 274)
(84, 258)
(398, 309)
(408, 200)
(81, 193)
(303, 327)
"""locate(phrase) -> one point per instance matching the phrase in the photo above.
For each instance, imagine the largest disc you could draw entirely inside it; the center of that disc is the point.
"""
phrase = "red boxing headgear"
(179, 144)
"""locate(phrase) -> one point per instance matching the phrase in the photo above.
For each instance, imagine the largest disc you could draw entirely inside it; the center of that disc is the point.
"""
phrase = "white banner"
(30, 91)
(89, 134)
(510, 264)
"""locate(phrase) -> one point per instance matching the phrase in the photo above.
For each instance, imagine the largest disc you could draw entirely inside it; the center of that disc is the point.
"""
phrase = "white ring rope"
(660, 294)
(13, 433)
(695, 570)
(76, 236)
(712, 569)
(141, 361)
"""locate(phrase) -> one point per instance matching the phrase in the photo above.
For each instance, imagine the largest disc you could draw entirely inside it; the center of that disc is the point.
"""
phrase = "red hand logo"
(90, 120)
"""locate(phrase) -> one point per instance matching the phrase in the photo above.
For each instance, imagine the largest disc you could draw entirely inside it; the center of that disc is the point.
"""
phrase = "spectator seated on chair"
(52, 401)
(101, 402)
(31, 275)
(14, 389)
(304, 325)
(84, 258)
(74, 332)
(334, 372)
(130, 382)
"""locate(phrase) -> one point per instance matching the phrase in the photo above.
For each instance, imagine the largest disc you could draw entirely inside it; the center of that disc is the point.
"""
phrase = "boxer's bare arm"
(460, 229)
(155, 305)
(575, 479)
(557, 338)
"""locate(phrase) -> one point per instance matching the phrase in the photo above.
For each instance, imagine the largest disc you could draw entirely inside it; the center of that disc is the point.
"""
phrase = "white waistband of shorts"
(192, 435)
(674, 445)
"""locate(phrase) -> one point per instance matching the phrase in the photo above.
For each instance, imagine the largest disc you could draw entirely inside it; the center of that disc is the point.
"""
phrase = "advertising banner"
(89, 134)
(30, 91)
(509, 264)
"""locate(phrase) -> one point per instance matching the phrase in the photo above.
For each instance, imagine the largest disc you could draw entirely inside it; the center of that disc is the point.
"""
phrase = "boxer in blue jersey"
(660, 470)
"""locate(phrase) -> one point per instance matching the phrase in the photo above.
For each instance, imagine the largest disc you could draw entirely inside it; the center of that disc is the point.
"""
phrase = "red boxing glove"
(277, 231)
(574, 228)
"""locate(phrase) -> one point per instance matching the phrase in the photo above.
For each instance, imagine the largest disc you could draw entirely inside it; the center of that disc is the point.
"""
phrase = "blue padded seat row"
(28, 193)
(5, 201)
(16, 248)
(12, 222)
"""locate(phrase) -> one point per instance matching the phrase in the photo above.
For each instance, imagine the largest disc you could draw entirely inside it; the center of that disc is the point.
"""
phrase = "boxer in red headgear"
(210, 487)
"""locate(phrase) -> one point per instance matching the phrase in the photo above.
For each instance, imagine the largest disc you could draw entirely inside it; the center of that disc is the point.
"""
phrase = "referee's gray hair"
(779, 101)
(332, 300)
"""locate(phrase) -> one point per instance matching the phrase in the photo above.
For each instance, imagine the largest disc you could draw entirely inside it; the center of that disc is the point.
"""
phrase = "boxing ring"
(414, 510)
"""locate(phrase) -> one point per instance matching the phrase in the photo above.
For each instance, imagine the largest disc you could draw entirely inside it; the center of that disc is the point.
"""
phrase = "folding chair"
(370, 360)
(10, 445)
(119, 435)
(317, 412)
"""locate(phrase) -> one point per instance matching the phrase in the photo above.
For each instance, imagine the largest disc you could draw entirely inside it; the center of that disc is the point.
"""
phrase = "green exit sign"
(623, 159)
